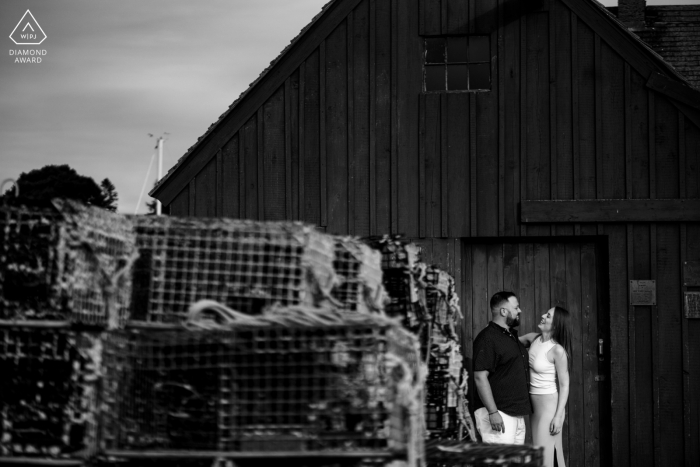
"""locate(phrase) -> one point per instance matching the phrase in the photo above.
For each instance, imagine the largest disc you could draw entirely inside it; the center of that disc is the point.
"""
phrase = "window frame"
(447, 63)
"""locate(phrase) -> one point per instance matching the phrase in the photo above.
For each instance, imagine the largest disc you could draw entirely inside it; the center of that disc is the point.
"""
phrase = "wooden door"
(544, 275)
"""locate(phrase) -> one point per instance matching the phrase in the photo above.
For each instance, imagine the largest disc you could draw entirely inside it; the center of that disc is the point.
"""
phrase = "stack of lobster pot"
(144, 336)
(294, 381)
(399, 260)
(65, 276)
(255, 337)
(360, 284)
(244, 265)
(248, 266)
(447, 413)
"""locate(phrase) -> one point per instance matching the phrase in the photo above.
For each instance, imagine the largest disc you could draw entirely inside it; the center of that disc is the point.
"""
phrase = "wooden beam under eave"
(674, 89)
(611, 210)
(690, 113)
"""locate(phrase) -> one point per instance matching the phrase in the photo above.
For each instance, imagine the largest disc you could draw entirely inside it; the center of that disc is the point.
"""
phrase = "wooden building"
(531, 145)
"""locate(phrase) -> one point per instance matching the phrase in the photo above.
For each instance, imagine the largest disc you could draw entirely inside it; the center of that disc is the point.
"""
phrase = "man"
(501, 374)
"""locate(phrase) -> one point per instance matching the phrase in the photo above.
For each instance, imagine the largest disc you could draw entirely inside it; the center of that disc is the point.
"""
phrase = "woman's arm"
(561, 363)
(527, 339)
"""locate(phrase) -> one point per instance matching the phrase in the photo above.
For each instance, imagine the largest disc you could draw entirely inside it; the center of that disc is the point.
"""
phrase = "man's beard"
(513, 322)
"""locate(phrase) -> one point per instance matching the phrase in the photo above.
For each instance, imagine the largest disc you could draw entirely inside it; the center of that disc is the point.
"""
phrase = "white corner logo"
(28, 31)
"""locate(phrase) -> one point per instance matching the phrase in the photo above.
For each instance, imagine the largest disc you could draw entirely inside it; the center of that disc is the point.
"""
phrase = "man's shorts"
(515, 428)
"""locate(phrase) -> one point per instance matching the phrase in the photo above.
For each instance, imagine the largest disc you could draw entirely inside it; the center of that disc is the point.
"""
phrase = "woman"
(550, 362)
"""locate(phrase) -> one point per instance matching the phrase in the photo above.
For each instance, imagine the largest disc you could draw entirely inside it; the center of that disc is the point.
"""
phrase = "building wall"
(351, 143)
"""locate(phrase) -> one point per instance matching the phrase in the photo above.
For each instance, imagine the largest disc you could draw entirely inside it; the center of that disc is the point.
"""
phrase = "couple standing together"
(513, 382)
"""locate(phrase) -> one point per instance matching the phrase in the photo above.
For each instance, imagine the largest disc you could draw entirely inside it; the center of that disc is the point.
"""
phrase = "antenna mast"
(161, 140)
(159, 146)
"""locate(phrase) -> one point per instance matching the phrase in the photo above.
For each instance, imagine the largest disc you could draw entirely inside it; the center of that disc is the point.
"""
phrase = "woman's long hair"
(561, 331)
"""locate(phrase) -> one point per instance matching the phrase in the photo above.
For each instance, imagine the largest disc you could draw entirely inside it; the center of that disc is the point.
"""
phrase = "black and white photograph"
(350, 233)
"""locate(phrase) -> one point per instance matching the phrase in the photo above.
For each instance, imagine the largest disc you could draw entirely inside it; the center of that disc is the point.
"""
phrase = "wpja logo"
(28, 32)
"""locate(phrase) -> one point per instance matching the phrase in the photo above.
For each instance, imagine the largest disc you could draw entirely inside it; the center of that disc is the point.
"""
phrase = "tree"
(109, 195)
(61, 181)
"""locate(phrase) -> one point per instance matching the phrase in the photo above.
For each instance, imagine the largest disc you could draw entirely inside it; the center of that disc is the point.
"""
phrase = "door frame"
(603, 265)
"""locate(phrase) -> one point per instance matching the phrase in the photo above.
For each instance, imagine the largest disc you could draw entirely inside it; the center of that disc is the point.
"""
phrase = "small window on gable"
(457, 63)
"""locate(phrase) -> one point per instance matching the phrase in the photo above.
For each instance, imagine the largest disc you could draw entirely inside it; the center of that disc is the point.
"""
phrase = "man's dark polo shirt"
(501, 354)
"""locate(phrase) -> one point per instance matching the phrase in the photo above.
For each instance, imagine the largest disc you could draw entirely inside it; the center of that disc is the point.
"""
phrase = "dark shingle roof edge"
(658, 58)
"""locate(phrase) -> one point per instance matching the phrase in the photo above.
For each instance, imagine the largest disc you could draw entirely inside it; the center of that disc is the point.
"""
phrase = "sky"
(117, 70)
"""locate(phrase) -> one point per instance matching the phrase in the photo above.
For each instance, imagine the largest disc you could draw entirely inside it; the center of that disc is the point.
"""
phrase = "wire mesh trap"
(398, 263)
(48, 392)
(272, 387)
(245, 460)
(442, 302)
(245, 265)
(440, 417)
(359, 273)
(446, 406)
(444, 370)
(442, 453)
(65, 262)
(445, 395)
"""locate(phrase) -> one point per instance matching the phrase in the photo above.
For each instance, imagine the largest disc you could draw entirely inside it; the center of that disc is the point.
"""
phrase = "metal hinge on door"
(600, 378)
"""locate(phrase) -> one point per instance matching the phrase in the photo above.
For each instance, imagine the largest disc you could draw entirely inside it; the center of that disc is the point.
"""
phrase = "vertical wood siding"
(351, 143)
(542, 275)
(382, 114)
(205, 189)
(337, 129)
(311, 153)
(359, 152)
(292, 145)
(230, 176)
(273, 158)
(180, 206)
(691, 344)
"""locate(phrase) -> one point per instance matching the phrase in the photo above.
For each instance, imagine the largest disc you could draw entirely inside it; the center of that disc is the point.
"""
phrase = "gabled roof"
(602, 21)
(213, 126)
(622, 28)
(673, 31)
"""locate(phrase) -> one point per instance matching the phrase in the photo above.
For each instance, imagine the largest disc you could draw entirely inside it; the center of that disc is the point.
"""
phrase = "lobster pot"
(446, 408)
(65, 262)
(396, 253)
(438, 287)
(445, 453)
(48, 392)
(243, 264)
(264, 388)
(398, 263)
(442, 302)
(359, 272)
(443, 394)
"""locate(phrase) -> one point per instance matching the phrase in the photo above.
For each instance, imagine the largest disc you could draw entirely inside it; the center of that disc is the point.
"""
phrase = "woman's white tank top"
(543, 375)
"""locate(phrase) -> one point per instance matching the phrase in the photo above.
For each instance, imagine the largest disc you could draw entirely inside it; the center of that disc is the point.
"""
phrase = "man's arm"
(481, 378)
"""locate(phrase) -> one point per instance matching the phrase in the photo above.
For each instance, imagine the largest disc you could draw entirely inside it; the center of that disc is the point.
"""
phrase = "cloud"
(115, 71)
